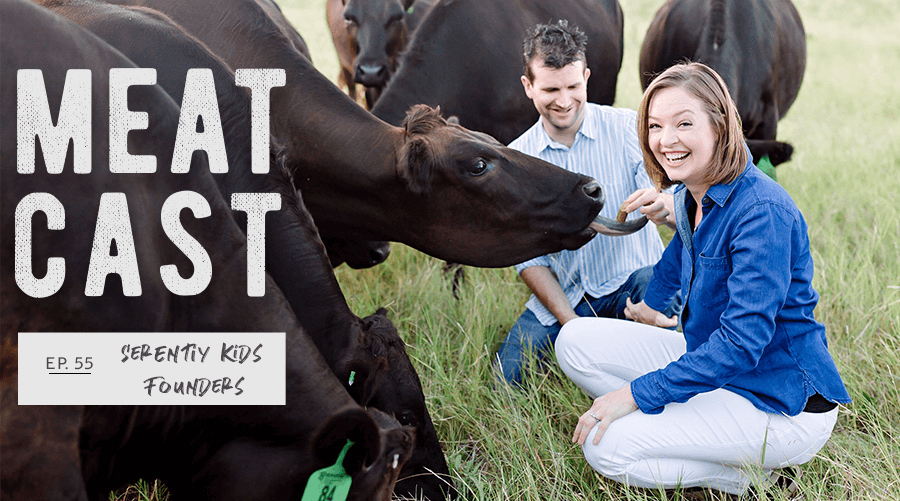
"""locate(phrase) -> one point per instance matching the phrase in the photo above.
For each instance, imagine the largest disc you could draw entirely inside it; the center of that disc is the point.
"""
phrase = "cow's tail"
(717, 24)
(777, 151)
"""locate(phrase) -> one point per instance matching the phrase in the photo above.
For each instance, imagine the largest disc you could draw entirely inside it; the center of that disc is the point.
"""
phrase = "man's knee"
(642, 276)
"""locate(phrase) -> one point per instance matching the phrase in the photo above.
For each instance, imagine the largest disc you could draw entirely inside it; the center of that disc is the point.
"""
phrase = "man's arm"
(544, 284)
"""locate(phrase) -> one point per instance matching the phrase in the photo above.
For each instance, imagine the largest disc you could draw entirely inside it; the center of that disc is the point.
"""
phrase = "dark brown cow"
(148, 37)
(441, 189)
(294, 256)
(466, 57)
(757, 46)
(71, 452)
(369, 36)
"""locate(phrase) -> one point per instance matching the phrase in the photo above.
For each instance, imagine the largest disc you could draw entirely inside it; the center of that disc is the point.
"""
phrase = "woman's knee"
(609, 457)
(571, 337)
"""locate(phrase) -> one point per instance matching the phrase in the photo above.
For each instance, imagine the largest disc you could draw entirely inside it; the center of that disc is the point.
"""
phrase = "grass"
(845, 177)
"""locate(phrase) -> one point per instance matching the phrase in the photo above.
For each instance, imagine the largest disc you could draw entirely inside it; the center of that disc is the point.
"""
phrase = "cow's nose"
(593, 190)
(371, 74)
(380, 254)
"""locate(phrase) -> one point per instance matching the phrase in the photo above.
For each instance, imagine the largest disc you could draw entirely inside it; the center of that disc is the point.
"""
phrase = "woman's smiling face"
(681, 136)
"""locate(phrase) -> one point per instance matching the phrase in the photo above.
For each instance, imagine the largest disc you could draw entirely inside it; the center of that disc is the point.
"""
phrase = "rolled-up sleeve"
(538, 261)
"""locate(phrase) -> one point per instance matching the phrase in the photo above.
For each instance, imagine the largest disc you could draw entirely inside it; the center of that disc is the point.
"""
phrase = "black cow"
(441, 189)
(757, 46)
(466, 57)
(369, 37)
(294, 256)
(77, 452)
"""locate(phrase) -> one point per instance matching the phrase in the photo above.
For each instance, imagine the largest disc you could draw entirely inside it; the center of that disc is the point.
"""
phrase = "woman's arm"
(761, 249)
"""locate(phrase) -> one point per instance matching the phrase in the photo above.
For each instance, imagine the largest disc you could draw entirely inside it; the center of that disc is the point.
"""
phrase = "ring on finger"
(595, 417)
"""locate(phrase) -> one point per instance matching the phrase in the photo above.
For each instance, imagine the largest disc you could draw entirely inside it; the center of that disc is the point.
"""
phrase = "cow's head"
(271, 463)
(396, 448)
(377, 457)
(378, 33)
(384, 378)
(468, 184)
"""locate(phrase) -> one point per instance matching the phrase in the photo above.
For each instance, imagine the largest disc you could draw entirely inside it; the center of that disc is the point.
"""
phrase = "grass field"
(845, 177)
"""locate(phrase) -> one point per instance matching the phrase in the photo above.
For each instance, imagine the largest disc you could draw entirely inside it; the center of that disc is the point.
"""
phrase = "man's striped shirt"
(607, 149)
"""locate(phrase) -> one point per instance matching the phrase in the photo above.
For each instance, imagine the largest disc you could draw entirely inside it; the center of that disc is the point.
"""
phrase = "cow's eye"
(479, 167)
(407, 418)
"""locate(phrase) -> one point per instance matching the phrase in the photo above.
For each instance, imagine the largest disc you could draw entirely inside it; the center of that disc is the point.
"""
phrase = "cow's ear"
(356, 425)
(415, 166)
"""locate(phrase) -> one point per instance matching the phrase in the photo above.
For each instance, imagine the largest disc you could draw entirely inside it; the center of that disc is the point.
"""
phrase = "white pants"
(716, 439)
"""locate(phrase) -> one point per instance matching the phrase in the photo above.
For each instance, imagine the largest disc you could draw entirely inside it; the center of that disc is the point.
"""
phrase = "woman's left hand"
(603, 412)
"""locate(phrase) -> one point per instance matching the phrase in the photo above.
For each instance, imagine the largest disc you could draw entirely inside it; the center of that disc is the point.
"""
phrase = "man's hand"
(646, 315)
(658, 207)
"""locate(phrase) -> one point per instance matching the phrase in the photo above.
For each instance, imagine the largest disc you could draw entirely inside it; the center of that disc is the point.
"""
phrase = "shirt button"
(705, 200)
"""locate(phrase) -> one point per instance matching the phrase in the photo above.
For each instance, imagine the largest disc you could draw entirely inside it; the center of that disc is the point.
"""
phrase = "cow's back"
(466, 57)
(757, 46)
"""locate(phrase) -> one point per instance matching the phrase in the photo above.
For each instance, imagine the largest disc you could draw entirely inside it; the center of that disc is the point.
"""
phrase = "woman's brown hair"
(700, 81)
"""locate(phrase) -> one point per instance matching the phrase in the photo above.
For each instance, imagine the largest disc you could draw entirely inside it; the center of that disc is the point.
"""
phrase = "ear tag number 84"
(330, 483)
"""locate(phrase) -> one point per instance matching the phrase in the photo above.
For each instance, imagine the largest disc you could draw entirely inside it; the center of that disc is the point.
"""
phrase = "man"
(608, 273)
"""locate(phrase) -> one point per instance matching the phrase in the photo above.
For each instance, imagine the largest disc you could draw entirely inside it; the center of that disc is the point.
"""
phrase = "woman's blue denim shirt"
(746, 280)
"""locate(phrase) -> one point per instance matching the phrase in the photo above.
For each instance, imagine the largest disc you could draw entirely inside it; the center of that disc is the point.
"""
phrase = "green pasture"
(845, 177)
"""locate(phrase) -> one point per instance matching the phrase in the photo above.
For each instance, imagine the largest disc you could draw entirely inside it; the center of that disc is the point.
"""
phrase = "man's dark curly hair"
(557, 44)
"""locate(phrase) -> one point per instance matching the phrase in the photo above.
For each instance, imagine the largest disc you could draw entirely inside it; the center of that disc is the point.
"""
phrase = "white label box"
(151, 368)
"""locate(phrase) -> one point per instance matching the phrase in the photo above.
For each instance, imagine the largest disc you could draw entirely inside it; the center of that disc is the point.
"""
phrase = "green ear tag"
(330, 483)
(766, 166)
(410, 9)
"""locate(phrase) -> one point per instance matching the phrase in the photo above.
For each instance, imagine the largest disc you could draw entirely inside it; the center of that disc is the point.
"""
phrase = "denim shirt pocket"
(711, 282)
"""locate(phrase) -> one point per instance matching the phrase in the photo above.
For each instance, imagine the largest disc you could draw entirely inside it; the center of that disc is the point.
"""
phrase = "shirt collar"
(720, 193)
(590, 128)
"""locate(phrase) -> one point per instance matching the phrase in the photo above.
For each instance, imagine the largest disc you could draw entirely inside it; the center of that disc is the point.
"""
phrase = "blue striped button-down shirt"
(607, 149)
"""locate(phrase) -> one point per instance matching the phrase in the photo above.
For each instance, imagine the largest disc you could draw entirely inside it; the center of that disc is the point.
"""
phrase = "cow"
(369, 37)
(442, 189)
(466, 57)
(757, 46)
(294, 256)
(81, 452)
(116, 24)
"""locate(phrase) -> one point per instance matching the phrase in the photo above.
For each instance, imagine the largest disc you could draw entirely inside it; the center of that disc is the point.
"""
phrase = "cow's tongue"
(613, 228)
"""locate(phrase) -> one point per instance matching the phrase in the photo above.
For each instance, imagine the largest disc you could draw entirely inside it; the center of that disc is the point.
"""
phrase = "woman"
(749, 385)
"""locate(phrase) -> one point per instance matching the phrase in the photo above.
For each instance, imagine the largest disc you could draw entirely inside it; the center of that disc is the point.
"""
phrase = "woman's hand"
(658, 207)
(603, 412)
(646, 315)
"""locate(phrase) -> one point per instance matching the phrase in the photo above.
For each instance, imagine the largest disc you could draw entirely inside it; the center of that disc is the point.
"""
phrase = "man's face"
(559, 94)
